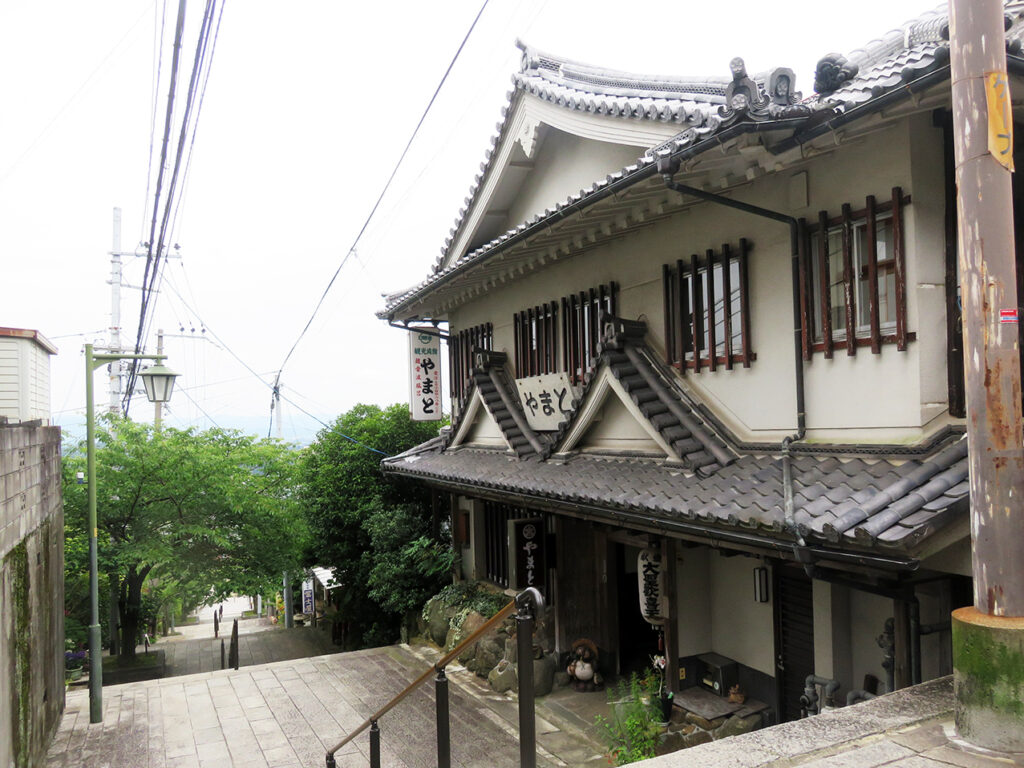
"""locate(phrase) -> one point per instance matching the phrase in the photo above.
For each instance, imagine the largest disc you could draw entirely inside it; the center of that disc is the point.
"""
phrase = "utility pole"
(115, 315)
(988, 638)
(158, 407)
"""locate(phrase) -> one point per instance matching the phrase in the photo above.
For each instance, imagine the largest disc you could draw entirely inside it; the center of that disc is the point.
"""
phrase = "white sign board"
(651, 580)
(547, 400)
(307, 596)
(424, 376)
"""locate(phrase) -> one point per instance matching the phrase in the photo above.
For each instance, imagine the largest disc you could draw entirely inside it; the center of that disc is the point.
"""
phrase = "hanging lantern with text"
(651, 578)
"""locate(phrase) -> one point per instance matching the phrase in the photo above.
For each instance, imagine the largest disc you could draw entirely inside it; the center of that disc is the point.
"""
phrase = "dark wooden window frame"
(562, 336)
(581, 327)
(461, 346)
(682, 325)
(535, 335)
(816, 315)
(496, 517)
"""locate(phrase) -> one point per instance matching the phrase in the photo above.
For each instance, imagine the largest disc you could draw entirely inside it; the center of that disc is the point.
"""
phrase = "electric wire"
(179, 30)
(154, 265)
(158, 68)
(60, 112)
(376, 205)
(195, 123)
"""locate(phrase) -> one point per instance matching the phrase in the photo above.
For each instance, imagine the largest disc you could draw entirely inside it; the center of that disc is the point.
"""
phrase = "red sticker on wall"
(1007, 315)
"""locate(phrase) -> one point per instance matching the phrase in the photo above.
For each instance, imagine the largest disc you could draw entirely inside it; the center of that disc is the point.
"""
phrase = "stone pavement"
(911, 728)
(259, 642)
(287, 713)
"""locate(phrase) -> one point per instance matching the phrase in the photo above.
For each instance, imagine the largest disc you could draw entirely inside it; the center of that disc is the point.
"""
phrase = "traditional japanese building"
(717, 319)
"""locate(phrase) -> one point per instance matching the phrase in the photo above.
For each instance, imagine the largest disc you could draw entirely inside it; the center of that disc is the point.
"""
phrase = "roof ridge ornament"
(832, 71)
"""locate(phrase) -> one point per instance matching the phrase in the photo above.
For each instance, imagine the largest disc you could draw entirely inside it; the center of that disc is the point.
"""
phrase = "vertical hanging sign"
(651, 580)
(526, 561)
(425, 377)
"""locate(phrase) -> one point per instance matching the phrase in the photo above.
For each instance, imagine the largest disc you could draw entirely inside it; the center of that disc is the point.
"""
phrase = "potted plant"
(663, 697)
(73, 662)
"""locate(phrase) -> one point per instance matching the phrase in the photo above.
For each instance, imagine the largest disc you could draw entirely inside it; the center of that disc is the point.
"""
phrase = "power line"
(156, 248)
(68, 103)
(158, 68)
(387, 185)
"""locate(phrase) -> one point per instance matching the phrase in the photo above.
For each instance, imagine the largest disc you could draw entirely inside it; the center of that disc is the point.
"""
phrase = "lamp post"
(158, 381)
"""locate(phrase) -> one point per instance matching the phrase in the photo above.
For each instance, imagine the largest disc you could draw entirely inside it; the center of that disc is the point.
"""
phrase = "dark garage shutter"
(794, 637)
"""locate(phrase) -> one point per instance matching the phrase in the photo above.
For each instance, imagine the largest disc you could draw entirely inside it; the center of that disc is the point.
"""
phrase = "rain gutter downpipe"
(667, 167)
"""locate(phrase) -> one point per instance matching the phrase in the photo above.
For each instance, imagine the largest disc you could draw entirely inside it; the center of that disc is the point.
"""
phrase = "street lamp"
(158, 381)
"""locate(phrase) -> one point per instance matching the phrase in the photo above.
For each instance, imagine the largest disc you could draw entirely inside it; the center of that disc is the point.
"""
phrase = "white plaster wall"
(563, 165)
(867, 621)
(889, 396)
(741, 629)
(615, 428)
(693, 598)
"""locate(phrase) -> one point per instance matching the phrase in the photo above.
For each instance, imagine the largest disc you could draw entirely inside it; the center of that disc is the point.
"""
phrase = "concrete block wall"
(31, 593)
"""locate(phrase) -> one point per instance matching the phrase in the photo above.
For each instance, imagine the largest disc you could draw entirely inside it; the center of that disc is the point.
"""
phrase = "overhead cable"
(387, 185)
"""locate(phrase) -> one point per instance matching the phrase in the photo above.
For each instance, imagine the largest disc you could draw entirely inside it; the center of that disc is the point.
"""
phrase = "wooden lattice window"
(707, 310)
(581, 327)
(460, 358)
(535, 335)
(853, 279)
(571, 326)
(496, 517)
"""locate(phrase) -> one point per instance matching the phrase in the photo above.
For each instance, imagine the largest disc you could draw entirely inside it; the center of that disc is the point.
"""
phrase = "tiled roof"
(844, 502)
(884, 65)
(902, 503)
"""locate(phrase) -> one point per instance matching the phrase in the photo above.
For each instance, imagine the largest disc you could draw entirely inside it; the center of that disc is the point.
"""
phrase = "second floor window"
(562, 335)
(853, 279)
(460, 358)
(707, 310)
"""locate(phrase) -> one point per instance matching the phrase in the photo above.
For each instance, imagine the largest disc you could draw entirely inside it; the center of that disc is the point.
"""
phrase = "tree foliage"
(208, 513)
(378, 533)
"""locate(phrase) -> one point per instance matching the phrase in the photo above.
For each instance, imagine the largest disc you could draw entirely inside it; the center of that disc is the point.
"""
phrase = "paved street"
(259, 642)
(285, 714)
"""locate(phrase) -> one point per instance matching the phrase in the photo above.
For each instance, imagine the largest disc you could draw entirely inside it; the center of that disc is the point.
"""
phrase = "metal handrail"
(439, 665)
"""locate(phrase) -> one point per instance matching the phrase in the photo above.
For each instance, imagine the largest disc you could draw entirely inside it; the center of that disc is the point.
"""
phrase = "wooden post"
(668, 558)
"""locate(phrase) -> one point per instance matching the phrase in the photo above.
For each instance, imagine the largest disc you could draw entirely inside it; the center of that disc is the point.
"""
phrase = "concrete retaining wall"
(31, 593)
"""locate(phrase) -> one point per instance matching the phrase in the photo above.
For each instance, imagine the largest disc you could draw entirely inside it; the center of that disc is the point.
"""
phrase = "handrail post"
(330, 760)
(374, 745)
(444, 746)
(528, 602)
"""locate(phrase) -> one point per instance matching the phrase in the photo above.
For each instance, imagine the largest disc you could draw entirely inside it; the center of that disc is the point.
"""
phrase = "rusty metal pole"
(988, 639)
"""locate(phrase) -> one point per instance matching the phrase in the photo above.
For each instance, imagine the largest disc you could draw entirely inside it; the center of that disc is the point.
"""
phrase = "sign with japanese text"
(547, 400)
(651, 580)
(526, 538)
(307, 596)
(425, 377)
(1000, 118)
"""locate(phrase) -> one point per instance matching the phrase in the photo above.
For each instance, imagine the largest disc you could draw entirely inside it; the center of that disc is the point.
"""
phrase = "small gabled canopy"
(627, 367)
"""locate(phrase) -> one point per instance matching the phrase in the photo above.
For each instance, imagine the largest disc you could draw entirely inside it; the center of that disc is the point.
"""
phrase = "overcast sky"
(308, 108)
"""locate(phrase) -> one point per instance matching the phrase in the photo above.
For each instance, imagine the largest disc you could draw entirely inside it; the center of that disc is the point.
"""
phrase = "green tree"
(383, 536)
(210, 513)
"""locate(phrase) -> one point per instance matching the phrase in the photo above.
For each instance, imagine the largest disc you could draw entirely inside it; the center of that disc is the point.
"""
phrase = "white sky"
(308, 108)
